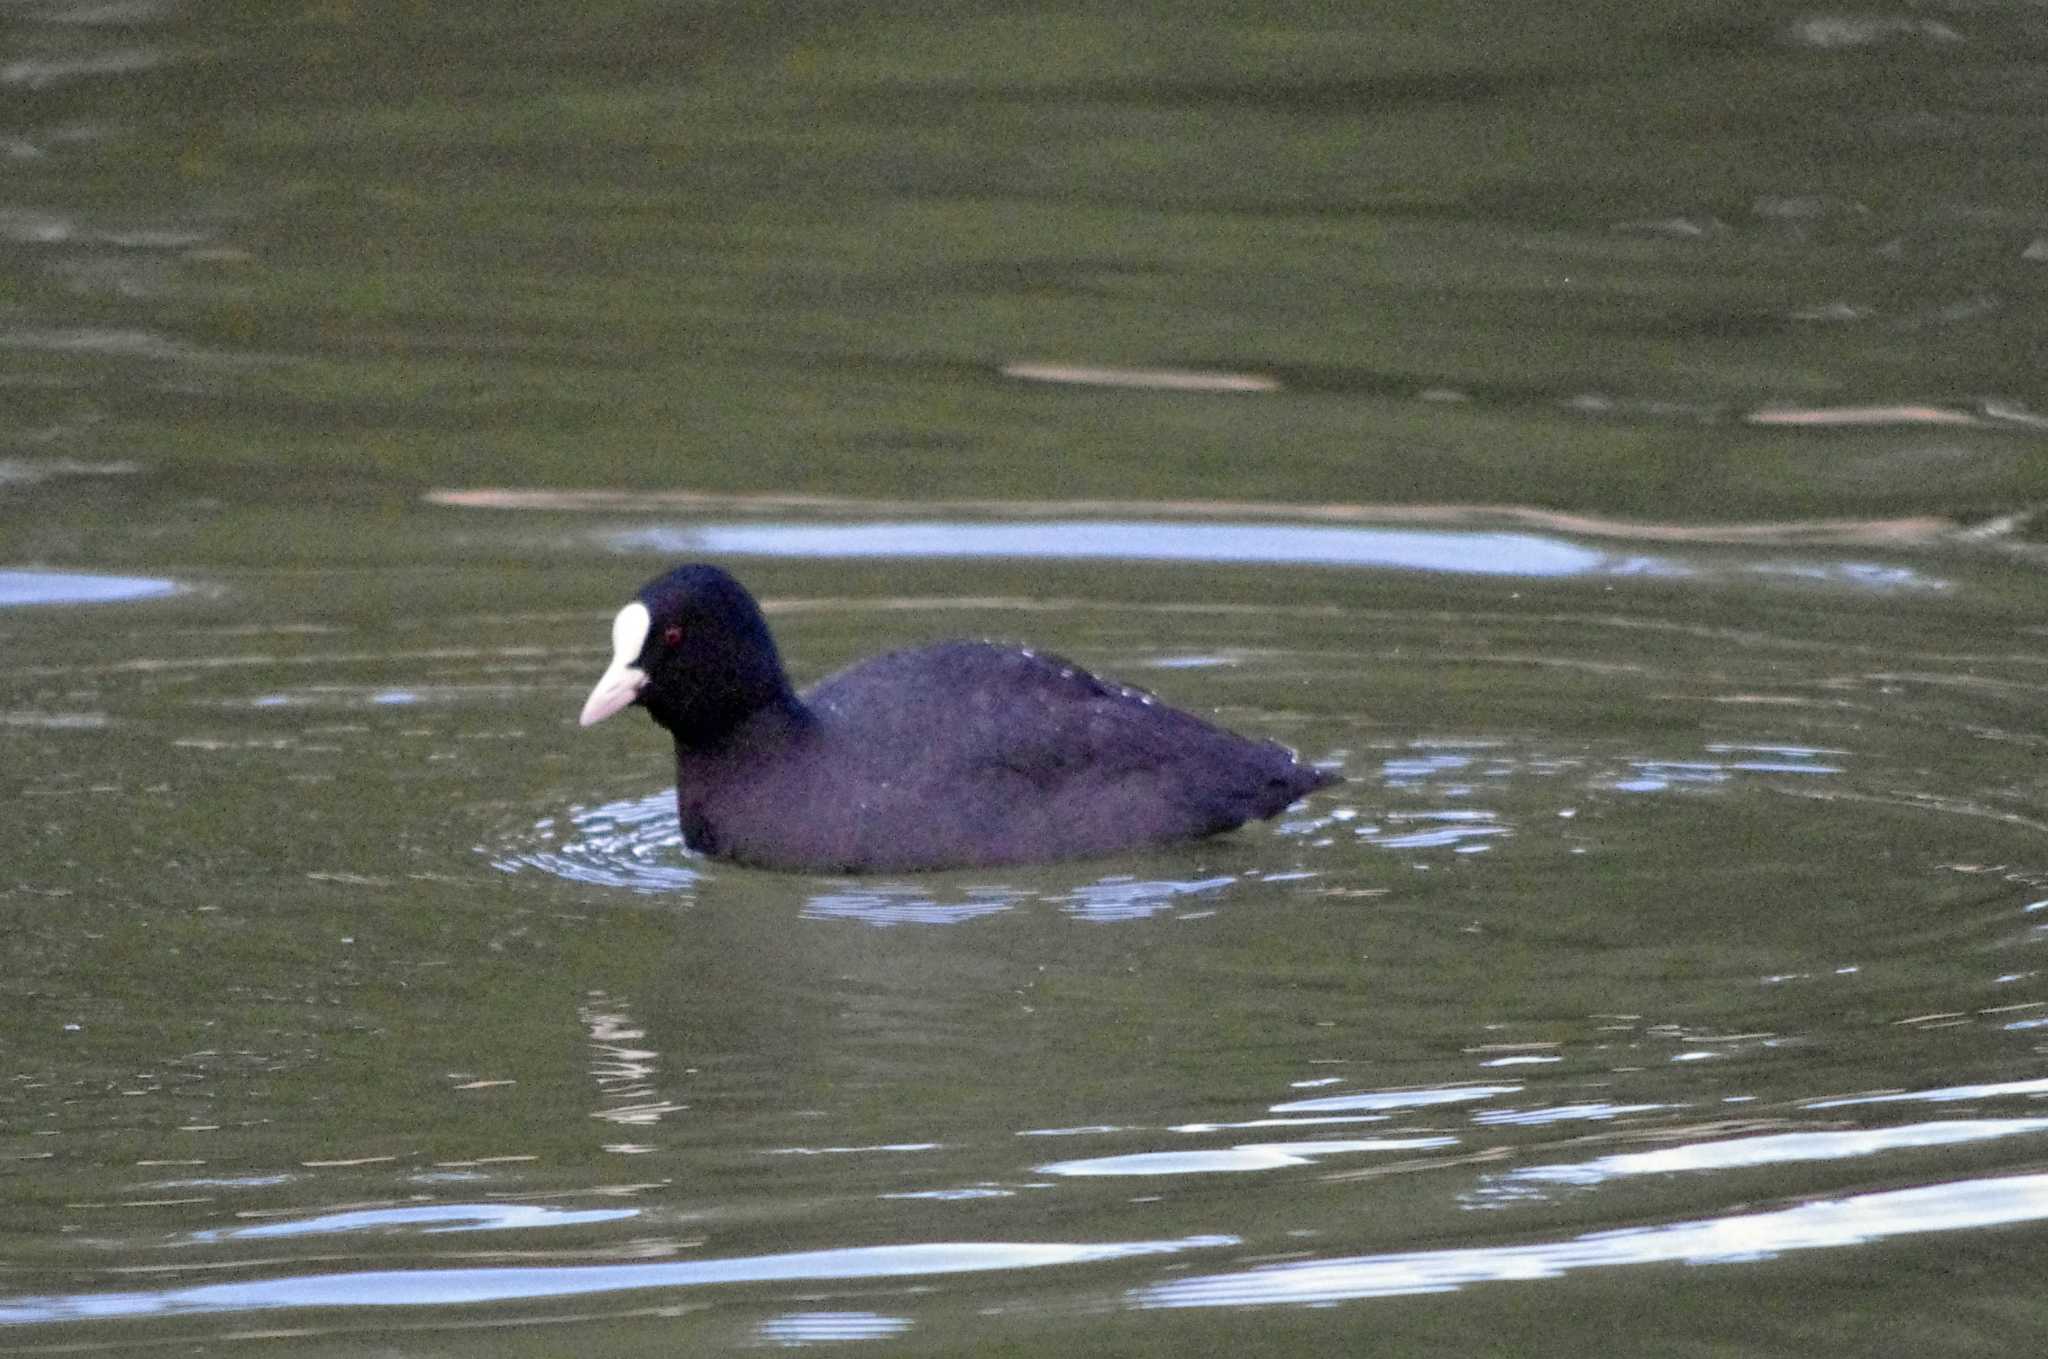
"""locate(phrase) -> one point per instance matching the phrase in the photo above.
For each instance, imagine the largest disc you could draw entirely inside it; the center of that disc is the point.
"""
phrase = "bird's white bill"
(622, 681)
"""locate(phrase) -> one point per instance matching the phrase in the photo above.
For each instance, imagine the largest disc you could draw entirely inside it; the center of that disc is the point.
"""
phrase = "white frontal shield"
(622, 681)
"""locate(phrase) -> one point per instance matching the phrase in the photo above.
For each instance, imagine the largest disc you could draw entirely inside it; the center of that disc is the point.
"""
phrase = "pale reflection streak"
(72, 587)
(1121, 897)
(1461, 552)
(1830, 1223)
(37, 73)
(1114, 898)
(1656, 776)
(1469, 553)
(1779, 1149)
(794, 1329)
(452, 1287)
(424, 1218)
(1393, 1099)
(1270, 1123)
(1944, 1095)
(1561, 1113)
(624, 1073)
(1225, 1160)
(896, 904)
(1907, 532)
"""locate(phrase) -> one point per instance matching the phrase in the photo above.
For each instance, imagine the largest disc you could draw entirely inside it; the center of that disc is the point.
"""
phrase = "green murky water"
(1664, 979)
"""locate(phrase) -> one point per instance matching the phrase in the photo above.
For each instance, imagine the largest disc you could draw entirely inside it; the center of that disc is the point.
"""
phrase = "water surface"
(1662, 978)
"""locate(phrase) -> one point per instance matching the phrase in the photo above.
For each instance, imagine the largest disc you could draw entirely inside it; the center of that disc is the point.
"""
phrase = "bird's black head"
(692, 649)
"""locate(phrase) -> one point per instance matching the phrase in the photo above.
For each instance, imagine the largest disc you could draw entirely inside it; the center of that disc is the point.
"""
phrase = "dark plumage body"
(957, 755)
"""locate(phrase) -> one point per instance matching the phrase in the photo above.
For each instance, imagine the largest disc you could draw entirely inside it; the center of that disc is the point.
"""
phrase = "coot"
(963, 754)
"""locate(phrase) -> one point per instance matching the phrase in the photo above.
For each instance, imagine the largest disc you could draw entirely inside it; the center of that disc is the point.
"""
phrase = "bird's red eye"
(672, 635)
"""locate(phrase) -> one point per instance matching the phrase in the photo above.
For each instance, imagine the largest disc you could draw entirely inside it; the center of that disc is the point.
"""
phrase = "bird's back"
(972, 754)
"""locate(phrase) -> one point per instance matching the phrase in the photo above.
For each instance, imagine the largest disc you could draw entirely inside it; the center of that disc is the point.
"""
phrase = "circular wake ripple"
(1431, 799)
(635, 844)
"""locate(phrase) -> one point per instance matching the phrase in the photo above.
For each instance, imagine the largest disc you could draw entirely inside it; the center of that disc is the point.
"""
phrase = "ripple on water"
(1116, 897)
(635, 844)
(1735, 1238)
(1238, 1159)
(424, 1218)
(456, 1286)
(816, 1328)
(897, 904)
(1779, 1149)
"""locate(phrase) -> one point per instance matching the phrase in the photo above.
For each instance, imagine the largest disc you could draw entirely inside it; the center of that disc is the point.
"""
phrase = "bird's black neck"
(716, 724)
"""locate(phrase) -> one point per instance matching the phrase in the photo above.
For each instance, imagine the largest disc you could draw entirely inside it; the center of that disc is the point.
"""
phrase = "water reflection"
(1562, 1113)
(1656, 776)
(451, 1287)
(1251, 1156)
(854, 1151)
(1441, 550)
(1495, 554)
(1463, 829)
(1156, 379)
(175, 916)
(41, 72)
(1112, 898)
(1395, 1099)
(71, 587)
(635, 844)
(898, 904)
(813, 1328)
(1859, 1220)
(100, 342)
(1120, 897)
(1778, 1149)
(1945, 1095)
(1315, 1122)
(27, 471)
(624, 1071)
(425, 1219)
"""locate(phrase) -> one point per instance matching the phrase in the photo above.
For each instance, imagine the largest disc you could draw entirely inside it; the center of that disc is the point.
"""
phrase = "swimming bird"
(962, 754)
